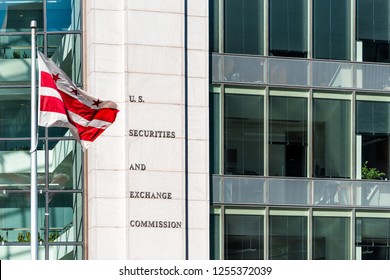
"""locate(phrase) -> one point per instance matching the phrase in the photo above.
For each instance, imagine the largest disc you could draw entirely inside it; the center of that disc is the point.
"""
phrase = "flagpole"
(33, 150)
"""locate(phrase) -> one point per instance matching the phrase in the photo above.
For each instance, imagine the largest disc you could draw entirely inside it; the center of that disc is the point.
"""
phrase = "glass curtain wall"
(60, 176)
(288, 34)
(332, 29)
(331, 138)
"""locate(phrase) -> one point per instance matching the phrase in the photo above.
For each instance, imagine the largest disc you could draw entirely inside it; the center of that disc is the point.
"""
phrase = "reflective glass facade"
(299, 130)
(60, 158)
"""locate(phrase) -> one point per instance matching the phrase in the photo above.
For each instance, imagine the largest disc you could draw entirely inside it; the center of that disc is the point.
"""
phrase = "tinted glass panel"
(288, 28)
(288, 136)
(244, 134)
(16, 16)
(331, 238)
(63, 15)
(288, 238)
(244, 26)
(331, 138)
(331, 36)
(244, 237)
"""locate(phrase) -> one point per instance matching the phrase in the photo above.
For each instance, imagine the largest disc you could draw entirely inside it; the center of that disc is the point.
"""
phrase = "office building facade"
(248, 129)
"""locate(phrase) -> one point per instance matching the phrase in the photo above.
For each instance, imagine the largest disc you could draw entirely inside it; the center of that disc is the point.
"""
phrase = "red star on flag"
(96, 102)
(56, 77)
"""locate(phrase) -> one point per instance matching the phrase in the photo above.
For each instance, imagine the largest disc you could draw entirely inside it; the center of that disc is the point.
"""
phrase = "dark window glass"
(331, 138)
(244, 26)
(373, 29)
(214, 25)
(215, 149)
(331, 29)
(244, 123)
(16, 16)
(288, 136)
(244, 237)
(214, 237)
(288, 28)
(331, 238)
(288, 238)
(373, 238)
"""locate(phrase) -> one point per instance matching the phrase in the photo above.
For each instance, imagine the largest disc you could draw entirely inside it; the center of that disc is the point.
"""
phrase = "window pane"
(331, 138)
(288, 28)
(331, 238)
(67, 252)
(244, 237)
(215, 128)
(244, 122)
(16, 16)
(288, 238)
(65, 165)
(331, 34)
(215, 237)
(65, 51)
(15, 58)
(214, 25)
(15, 112)
(15, 217)
(63, 15)
(244, 26)
(288, 136)
(373, 238)
(15, 165)
(65, 217)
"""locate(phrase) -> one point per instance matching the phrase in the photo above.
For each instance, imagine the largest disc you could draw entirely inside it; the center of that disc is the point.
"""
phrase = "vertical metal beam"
(186, 129)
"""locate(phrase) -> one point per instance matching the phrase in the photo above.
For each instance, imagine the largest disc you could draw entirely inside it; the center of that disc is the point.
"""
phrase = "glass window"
(16, 16)
(214, 25)
(244, 26)
(67, 252)
(373, 29)
(63, 15)
(373, 238)
(288, 238)
(15, 165)
(215, 237)
(15, 113)
(331, 138)
(244, 123)
(288, 28)
(65, 217)
(15, 58)
(65, 51)
(215, 128)
(332, 29)
(288, 136)
(15, 217)
(244, 237)
(65, 165)
(373, 126)
(331, 239)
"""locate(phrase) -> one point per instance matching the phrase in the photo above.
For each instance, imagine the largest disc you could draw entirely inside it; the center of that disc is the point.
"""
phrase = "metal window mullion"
(266, 28)
(353, 137)
(309, 29)
(222, 233)
(222, 129)
(221, 27)
(266, 233)
(266, 132)
(310, 235)
(309, 155)
(353, 20)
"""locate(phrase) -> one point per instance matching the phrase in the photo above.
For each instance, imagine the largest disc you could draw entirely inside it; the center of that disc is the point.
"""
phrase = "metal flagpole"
(33, 151)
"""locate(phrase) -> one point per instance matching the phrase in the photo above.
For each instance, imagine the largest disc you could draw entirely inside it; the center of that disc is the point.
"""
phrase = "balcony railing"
(300, 72)
(301, 192)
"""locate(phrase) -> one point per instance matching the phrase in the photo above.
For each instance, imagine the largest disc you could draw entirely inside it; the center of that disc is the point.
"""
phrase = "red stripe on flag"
(87, 133)
(52, 104)
(47, 80)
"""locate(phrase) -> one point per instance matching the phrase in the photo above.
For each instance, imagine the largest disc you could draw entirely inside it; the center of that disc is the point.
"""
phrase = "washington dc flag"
(62, 104)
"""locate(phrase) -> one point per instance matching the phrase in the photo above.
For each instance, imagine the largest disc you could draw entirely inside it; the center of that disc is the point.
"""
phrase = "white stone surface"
(107, 184)
(156, 117)
(198, 123)
(197, 189)
(196, 92)
(109, 212)
(197, 28)
(198, 156)
(107, 86)
(107, 243)
(144, 28)
(109, 25)
(199, 236)
(198, 8)
(165, 6)
(197, 63)
(156, 88)
(155, 60)
(158, 154)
